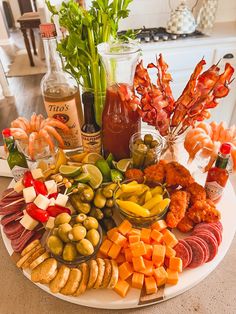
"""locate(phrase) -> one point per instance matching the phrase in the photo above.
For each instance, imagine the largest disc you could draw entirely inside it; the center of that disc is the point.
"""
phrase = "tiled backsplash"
(152, 13)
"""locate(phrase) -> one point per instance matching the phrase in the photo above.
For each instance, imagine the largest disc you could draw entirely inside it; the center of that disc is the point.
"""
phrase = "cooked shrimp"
(33, 136)
(214, 126)
(206, 127)
(205, 142)
(222, 128)
(26, 123)
(189, 139)
(19, 134)
(44, 134)
(18, 124)
(190, 145)
(33, 122)
(55, 134)
(38, 121)
(214, 153)
(230, 134)
(55, 123)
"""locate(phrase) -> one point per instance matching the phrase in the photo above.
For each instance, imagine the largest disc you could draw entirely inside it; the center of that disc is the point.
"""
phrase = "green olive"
(55, 245)
(138, 141)
(96, 213)
(154, 144)
(93, 236)
(87, 194)
(80, 218)
(85, 247)
(148, 139)
(69, 252)
(62, 219)
(77, 233)
(55, 231)
(63, 231)
(77, 224)
(110, 202)
(99, 199)
(90, 223)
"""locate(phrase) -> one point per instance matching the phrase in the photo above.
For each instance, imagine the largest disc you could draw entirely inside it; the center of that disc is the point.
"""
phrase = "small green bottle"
(16, 160)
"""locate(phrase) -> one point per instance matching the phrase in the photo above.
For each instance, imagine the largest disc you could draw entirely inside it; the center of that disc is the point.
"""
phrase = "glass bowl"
(142, 157)
(81, 258)
(138, 221)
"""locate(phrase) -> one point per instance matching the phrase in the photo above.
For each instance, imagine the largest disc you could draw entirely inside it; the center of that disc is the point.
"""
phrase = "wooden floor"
(26, 90)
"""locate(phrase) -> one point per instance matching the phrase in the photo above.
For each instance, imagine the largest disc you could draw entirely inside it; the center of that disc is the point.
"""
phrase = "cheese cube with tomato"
(19, 186)
(28, 222)
(42, 202)
(51, 186)
(29, 194)
(37, 173)
(50, 223)
(61, 200)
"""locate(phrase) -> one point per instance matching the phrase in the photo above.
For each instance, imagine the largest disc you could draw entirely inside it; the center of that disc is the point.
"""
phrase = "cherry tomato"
(28, 179)
(37, 213)
(53, 195)
(56, 210)
(40, 187)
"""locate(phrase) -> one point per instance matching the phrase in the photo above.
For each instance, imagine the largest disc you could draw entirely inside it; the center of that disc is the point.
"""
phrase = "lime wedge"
(114, 164)
(91, 158)
(69, 171)
(116, 175)
(123, 164)
(83, 177)
(105, 169)
(95, 174)
(110, 160)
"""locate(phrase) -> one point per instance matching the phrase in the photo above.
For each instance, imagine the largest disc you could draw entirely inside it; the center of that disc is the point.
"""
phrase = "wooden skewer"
(15, 202)
(8, 194)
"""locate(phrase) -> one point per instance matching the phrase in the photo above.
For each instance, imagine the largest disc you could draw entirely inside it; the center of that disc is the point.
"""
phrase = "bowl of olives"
(74, 239)
(145, 148)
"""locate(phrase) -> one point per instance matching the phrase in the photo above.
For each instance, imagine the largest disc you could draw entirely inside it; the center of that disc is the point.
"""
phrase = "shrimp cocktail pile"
(37, 133)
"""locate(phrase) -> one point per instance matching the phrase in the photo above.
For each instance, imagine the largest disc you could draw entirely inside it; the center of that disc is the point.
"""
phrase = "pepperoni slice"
(188, 247)
(182, 252)
(203, 245)
(213, 229)
(198, 253)
(211, 242)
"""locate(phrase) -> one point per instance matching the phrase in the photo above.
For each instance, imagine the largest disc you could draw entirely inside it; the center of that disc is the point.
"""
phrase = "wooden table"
(29, 21)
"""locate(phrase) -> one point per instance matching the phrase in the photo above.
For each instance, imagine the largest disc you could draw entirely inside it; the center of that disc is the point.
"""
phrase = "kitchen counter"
(222, 33)
(216, 294)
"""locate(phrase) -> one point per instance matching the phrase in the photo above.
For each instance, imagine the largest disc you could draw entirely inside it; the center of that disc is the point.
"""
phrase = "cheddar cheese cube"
(176, 264)
(172, 277)
(122, 288)
(145, 235)
(149, 249)
(158, 254)
(118, 238)
(125, 227)
(134, 238)
(138, 248)
(159, 225)
(160, 275)
(148, 270)
(137, 280)
(170, 252)
(156, 235)
(150, 285)
(114, 251)
(169, 238)
(125, 270)
(105, 247)
(138, 263)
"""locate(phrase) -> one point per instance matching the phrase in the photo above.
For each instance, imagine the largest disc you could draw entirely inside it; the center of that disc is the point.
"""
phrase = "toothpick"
(15, 202)
(13, 191)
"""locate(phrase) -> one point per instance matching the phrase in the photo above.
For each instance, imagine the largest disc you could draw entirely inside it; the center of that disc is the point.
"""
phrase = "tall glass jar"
(119, 120)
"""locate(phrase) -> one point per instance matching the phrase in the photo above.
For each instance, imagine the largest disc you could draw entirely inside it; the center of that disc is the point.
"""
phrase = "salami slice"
(217, 224)
(188, 247)
(16, 235)
(9, 218)
(12, 228)
(213, 229)
(182, 252)
(198, 253)
(211, 242)
(203, 245)
(19, 244)
(11, 209)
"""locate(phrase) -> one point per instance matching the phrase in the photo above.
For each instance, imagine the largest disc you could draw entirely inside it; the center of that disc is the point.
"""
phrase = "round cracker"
(45, 271)
(84, 280)
(107, 274)
(60, 280)
(114, 275)
(73, 281)
(33, 257)
(93, 273)
(25, 257)
(29, 247)
(39, 260)
(101, 271)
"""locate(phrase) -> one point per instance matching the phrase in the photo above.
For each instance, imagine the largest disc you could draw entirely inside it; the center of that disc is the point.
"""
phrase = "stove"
(146, 35)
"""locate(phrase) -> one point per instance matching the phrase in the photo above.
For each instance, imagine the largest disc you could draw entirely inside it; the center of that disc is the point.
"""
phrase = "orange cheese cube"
(158, 254)
(159, 225)
(170, 252)
(134, 238)
(150, 285)
(172, 277)
(134, 231)
(138, 248)
(111, 231)
(125, 270)
(118, 238)
(100, 255)
(105, 247)
(149, 249)
(138, 263)
(125, 227)
(120, 259)
(114, 251)
(148, 271)
(176, 264)
(156, 235)
(128, 255)
(160, 275)
(122, 288)
(145, 235)
(137, 280)
(169, 238)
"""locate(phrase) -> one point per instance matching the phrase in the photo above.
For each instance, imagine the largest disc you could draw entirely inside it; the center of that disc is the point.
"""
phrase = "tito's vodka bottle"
(60, 91)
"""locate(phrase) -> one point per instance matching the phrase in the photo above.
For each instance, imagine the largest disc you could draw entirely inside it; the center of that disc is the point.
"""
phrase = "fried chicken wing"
(178, 205)
(177, 174)
(185, 224)
(203, 211)
(197, 192)
(155, 174)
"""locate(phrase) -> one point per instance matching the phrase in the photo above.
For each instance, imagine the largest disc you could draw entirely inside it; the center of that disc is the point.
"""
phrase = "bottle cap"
(6, 132)
(48, 30)
(225, 148)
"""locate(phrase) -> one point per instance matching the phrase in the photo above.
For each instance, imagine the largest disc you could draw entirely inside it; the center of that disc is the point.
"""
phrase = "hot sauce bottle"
(217, 176)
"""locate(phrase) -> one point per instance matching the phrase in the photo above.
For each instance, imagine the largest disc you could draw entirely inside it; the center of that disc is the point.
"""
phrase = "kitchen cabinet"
(183, 59)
